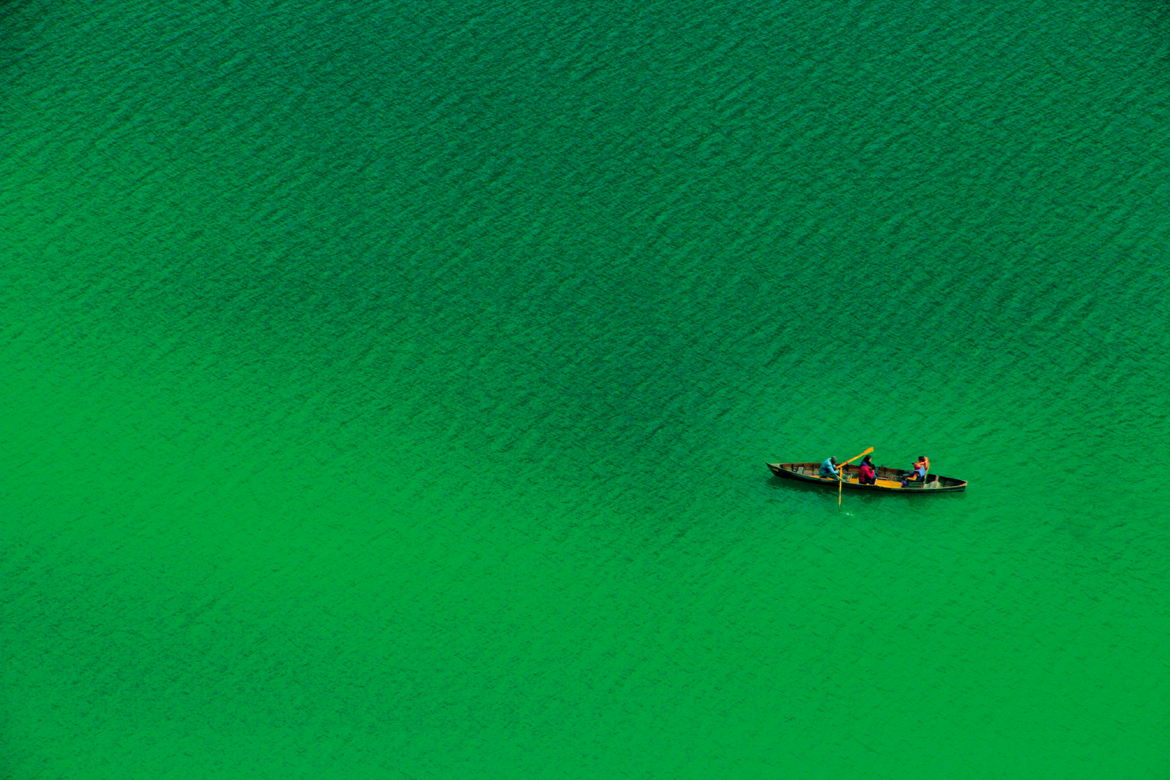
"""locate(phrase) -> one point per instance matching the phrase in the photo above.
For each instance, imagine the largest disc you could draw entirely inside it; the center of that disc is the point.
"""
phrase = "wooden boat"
(888, 480)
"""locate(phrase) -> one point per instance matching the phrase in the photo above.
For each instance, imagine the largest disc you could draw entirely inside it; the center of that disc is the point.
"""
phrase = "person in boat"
(918, 472)
(866, 474)
(829, 469)
(925, 463)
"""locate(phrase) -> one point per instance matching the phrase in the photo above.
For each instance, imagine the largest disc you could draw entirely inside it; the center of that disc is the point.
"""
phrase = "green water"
(387, 390)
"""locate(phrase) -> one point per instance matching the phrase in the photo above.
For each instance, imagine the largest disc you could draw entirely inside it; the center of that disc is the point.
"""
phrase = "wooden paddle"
(862, 455)
(841, 468)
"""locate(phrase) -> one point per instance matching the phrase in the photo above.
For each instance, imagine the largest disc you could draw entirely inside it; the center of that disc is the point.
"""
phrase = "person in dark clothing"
(866, 473)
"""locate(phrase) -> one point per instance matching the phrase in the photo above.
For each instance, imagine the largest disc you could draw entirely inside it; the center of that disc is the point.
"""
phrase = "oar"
(841, 475)
(862, 455)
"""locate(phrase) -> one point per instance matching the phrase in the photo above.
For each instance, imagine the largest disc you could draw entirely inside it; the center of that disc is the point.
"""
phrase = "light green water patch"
(273, 603)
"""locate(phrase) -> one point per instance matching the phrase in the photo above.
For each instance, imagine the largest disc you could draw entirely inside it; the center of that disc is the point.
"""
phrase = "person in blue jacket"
(918, 472)
(829, 469)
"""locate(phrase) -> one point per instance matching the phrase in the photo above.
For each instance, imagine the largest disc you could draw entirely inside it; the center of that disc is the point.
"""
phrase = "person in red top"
(865, 473)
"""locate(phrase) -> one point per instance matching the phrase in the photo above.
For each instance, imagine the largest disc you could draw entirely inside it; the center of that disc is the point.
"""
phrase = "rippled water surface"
(387, 389)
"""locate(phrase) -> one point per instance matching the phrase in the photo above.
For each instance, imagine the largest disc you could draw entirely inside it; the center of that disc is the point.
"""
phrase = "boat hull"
(888, 480)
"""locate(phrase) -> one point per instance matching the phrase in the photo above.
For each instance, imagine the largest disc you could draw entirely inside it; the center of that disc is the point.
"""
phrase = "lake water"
(388, 387)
